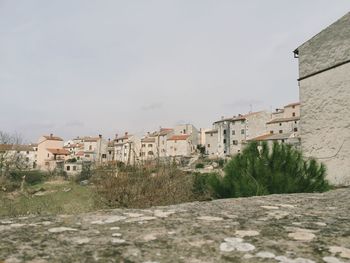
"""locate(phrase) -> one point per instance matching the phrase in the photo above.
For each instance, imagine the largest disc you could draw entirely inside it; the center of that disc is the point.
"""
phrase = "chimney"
(109, 139)
(148, 133)
(126, 133)
(100, 136)
(51, 135)
(116, 135)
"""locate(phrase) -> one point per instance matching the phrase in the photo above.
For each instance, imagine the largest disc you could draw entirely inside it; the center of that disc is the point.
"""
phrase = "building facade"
(324, 81)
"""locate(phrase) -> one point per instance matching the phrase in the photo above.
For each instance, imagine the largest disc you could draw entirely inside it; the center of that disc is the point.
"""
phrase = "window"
(208, 145)
(150, 145)
(271, 132)
(27, 152)
(282, 140)
(211, 135)
(233, 132)
(87, 155)
(175, 149)
(280, 131)
(184, 131)
(74, 168)
(242, 131)
(295, 129)
(224, 140)
(242, 121)
(235, 142)
(90, 147)
(150, 153)
(104, 156)
(68, 168)
(295, 122)
(224, 132)
(293, 114)
(280, 124)
(27, 159)
(143, 145)
(48, 155)
(109, 152)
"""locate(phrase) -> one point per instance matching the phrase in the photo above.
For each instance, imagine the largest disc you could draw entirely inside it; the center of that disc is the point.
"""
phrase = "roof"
(179, 137)
(52, 138)
(269, 137)
(58, 151)
(240, 117)
(80, 153)
(283, 120)
(16, 147)
(91, 139)
(148, 139)
(211, 131)
(165, 131)
(292, 104)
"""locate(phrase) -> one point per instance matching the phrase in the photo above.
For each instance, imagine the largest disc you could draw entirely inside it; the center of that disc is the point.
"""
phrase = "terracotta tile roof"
(263, 137)
(58, 151)
(283, 120)
(272, 137)
(91, 139)
(165, 131)
(148, 139)
(52, 138)
(179, 137)
(16, 147)
(80, 153)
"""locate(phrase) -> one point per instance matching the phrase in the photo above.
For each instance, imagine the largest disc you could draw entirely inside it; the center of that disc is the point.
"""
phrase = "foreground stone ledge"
(293, 228)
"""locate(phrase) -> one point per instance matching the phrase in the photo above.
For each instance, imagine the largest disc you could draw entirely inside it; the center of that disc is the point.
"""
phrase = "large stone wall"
(296, 228)
(325, 121)
(329, 47)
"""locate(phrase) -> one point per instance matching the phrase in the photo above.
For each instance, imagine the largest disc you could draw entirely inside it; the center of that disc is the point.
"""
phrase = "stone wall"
(325, 121)
(329, 47)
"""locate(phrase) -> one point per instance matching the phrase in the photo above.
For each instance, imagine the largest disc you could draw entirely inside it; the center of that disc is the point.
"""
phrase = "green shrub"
(199, 166)
(259, 170)
(221, 162)
(31, 177)
(204, 186)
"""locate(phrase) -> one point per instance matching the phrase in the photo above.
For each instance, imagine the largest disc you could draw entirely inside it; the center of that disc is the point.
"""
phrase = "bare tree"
(10, 156)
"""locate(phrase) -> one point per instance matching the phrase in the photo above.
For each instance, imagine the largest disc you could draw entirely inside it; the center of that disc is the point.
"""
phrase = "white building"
(127, 149)
(234, 132)
(179, 146)
(211, 143)
(324, 81)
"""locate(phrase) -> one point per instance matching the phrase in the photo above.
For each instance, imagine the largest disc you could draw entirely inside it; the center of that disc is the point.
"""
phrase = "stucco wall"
(329, 47)
(325, 120)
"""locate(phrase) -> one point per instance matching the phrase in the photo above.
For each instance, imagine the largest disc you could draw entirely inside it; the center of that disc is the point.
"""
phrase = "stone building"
(234, 132)
(324, 81)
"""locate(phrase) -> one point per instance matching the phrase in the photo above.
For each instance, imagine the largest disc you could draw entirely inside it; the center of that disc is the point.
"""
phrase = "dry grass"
(143, 186)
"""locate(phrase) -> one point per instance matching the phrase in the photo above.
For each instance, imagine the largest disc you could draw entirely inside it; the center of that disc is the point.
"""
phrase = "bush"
(143, 186)
(204, 186)
(31, 177)
(199, 166)
(260, 170)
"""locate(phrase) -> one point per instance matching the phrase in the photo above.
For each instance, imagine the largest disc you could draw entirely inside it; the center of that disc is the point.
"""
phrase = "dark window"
(233, 132)
(208, 145)
(224, 131)
(280, 124)
(234, 142)
(224, 140)
(295, 129)
(293, 114)
(242, 131)
(104, 156)
(271, 132)
(68, 168)
(281, 131)
(74, 168)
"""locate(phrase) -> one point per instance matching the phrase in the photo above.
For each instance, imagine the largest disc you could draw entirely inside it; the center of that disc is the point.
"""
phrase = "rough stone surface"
(231, 230)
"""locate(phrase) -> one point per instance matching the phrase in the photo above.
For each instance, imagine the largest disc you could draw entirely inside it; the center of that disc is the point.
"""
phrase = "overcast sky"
(78, 67)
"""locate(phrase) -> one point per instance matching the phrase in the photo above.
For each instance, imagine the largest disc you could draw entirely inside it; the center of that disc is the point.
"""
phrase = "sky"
(89, 67)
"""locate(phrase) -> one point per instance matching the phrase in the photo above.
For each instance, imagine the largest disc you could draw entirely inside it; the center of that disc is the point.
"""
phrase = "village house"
(179, 146)
(283, 127)
(51, 154)
(211, 143)
(95, 149)
(233, 133)
(324, 81)
(127, 148)
(110, 151)
(148, 149)
(188, 129)
(19, 155)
